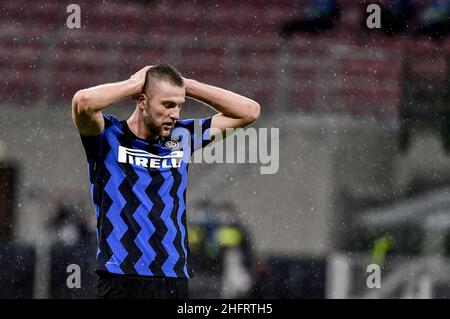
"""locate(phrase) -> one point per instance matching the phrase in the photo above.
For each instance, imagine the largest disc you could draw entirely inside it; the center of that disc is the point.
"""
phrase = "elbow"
(254, 110)
(80, 102)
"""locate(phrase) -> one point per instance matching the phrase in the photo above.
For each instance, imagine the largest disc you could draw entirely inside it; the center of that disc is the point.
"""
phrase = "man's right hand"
(139, 77)
(87, 104)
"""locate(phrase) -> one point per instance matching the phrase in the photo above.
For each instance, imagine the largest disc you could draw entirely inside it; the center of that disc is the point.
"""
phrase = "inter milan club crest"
(171, 144)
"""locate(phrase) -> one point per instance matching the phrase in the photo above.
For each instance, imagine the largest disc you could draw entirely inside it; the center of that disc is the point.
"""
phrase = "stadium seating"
(226, 43)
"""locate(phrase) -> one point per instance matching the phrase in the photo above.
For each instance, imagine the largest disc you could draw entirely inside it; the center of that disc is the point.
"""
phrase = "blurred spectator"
(318, 15)
(381, 247)
(237, 258)
(71, 228)
(434, 19)
(75, 244)
(396, 15)
(221, 249)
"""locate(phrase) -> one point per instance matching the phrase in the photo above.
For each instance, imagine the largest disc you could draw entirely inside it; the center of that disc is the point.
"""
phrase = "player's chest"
(164, 155)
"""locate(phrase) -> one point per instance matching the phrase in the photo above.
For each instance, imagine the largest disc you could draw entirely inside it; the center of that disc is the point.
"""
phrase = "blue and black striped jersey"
(139, 194)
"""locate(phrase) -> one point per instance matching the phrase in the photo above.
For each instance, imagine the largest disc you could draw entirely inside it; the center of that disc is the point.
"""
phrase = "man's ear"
(142, 101)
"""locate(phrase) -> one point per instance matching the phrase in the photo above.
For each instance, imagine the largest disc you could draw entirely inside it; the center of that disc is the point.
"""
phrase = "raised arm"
(235, 110)
(87, 104)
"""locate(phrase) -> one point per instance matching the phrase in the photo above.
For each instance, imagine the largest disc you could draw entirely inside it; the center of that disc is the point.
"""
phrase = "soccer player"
(138, 175)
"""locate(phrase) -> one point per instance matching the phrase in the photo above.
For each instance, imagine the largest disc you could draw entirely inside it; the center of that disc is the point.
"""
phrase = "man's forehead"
(165, 91)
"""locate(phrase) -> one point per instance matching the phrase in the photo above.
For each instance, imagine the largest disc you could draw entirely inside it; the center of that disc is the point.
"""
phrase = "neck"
(136, 124)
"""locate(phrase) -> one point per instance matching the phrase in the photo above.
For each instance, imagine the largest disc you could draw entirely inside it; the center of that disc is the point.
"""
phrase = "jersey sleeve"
(93, 144)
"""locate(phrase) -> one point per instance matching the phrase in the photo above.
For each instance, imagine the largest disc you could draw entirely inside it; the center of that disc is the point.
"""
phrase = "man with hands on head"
(138, 175)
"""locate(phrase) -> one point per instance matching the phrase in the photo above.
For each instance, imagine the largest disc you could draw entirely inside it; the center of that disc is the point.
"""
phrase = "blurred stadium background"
(364, 138)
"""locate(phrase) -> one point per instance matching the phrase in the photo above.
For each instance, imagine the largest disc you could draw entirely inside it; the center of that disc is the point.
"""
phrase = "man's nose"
(175, 115)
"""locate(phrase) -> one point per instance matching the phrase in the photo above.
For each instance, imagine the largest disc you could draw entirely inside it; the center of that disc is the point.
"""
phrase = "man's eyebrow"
(171, 102)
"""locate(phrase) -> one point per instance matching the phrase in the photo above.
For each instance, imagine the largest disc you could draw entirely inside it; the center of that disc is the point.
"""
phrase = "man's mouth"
(167, 125)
